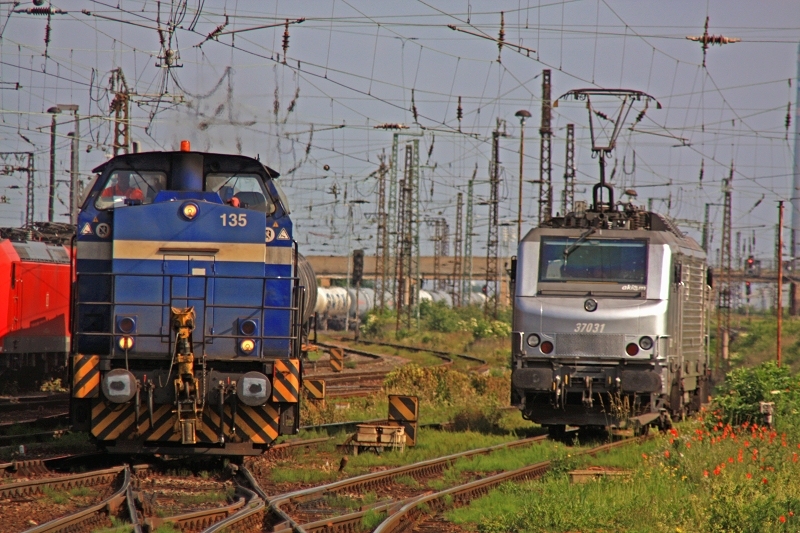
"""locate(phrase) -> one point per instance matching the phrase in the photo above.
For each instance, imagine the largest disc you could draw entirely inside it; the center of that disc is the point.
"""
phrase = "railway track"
(281, 507)
(93, 516)
(33, 403)
(438, 353)
(415, 515)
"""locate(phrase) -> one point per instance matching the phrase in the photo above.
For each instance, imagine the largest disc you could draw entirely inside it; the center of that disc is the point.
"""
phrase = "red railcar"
(34, 313)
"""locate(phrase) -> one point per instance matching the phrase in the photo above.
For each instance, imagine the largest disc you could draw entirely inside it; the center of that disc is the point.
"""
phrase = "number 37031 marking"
(234, 220)
(589, 327)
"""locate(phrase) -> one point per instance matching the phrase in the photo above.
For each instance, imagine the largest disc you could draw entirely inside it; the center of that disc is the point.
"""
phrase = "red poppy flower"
(782, 519)
(764, 481)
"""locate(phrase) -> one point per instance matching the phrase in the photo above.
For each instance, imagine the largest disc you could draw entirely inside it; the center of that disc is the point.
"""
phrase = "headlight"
(248, 327)
(632, 349)
(590, 305)
(533, 340)
(119, 385)
(253, 389)
(126, 324)
(189, 210)
(126, 343)
(247, 345)
(645, 343)
(546, 347)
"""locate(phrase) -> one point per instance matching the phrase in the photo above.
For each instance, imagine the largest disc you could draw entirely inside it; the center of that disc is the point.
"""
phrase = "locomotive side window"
(593, 260)
(247, 189)
(126, 186)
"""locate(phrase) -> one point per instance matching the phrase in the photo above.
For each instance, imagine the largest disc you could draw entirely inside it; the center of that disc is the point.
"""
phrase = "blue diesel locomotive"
(188, 306)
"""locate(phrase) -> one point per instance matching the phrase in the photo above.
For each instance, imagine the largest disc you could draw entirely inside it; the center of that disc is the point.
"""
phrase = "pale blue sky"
(358, 64)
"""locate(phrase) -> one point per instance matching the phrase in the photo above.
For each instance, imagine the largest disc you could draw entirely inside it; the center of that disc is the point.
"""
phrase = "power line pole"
(381, 248)
(29, 192)
(466, 286)
(405, 238)
(522, 114)
(392, 217)
(458, 244)
(51, 201)
(724, 291)
(545, 133)
(780, 278)
(492, 248)
(120, 107)
(569, 172)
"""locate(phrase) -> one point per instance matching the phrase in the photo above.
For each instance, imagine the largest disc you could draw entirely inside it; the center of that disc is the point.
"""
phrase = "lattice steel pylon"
(469, 224)
(381, 242)
(392, 217)
(120, 107)
(545, 134)
(492, 240)
(404, 300)
(458, 245)
(568, 198)
(724, 294)
(441, 247)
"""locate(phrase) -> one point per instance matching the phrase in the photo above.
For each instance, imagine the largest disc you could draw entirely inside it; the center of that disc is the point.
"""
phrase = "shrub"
(739, 397)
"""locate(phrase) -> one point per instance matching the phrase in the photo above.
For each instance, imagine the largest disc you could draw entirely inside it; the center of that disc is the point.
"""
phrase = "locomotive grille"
(578, 344)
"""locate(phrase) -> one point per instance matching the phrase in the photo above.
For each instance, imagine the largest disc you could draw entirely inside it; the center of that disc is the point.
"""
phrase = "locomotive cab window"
(246, 190)
(593, 260)
(127, 187)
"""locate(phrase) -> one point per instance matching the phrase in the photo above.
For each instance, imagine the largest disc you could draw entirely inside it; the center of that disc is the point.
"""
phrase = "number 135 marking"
(589, 327)
(233, 220)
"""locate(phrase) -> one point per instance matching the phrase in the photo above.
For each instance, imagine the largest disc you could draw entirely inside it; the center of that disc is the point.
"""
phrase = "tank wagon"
(189, 302)
(610, 320)
(34, 313)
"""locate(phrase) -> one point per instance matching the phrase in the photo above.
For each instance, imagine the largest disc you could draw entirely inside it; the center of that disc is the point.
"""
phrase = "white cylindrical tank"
(366, 301)
(477, 298)
(333, 301)
(441, 296)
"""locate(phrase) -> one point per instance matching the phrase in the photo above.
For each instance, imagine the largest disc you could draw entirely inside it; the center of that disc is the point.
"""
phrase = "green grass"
(61, 497)
(293, 474)
(371, 519)
(167, 528)
(341, 501)
(117, 526)
(690, 482)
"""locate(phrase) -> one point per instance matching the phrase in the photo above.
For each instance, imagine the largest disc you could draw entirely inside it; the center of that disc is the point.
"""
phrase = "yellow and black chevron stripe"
(403, 408)
(85, 376)
(286, 380)
(315, 388)
(337, 359)
(411, 432)
(112, 422)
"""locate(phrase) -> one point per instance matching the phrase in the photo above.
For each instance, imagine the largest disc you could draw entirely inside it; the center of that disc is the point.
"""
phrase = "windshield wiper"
(572, 247)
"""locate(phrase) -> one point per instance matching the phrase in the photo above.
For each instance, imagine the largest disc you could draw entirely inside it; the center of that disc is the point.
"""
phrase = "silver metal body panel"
(589, 356)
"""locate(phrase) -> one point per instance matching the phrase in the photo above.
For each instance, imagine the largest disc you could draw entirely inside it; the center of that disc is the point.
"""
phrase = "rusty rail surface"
(250, 515)
(447, 357)
(93, 516)
(36, 486)
(364, 483)
(407, 516)
(426, 350)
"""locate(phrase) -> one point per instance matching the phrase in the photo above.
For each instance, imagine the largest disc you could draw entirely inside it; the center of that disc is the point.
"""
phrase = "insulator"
(788, 121)
(285, 40)
(41, 11)
(501, 36)
(459, 110)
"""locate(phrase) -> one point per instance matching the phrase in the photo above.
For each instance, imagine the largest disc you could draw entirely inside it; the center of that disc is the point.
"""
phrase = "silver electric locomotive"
(610, 321)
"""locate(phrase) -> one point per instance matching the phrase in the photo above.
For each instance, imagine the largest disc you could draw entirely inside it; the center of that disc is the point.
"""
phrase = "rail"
(91, 517)
(409, 514)
(365, 483)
